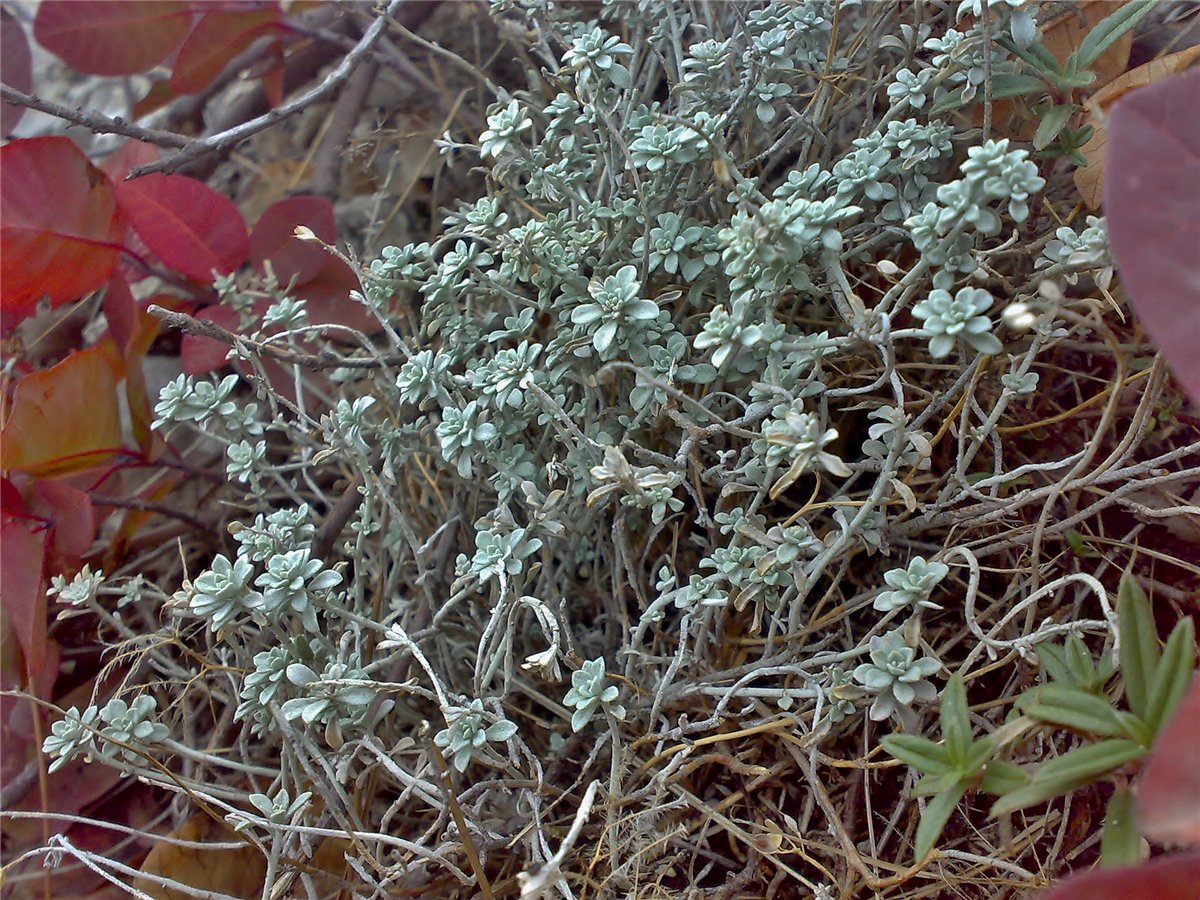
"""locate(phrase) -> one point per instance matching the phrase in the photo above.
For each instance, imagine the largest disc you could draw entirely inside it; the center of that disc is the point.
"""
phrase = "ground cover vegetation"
(717, 454)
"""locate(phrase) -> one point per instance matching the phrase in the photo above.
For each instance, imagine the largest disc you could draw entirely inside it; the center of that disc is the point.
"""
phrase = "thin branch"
(238, 133)
(325, 360)
(95, 122)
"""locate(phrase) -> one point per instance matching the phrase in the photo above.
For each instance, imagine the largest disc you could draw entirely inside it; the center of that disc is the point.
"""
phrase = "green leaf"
(978, 755)
(1120, 841)
(1135, 728)
(1174, 674)
(1016, 86)
(1081, 664)
(956, 721)
(1069, 771)
(1002, 86)
(951, 100)
(921, 753)
(1053, 658)
(1139, 644)
(1108, 30)
(1035, 55)
(1090, 762)
(935, 784)
(1075, 540)
(1074, 80)
(1073, 708)
(934, 818)
(1052, 123)
(1002, 777)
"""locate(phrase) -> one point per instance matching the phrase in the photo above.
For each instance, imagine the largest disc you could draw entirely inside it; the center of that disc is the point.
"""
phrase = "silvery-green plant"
(616, 305)
(279, 810)
(467, 731)
(80, 589)
(129, 727)
(591, 691)
(949, 319)
(339, 694)
(699, 272)
(71, 736)
(504, 126)
(224, 592)
(896, 676)
(912, 586)
(294, 582)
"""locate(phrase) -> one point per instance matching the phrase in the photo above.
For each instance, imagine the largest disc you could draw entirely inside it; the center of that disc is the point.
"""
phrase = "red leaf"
(128, 156)
(24, 596)
(273, 238)
(16, 67)
(1168, 797)
(191, 227)
(1172, 877)
(69, 512)
(329, 302)
(64, 419)
(120, 310)
(60, 229)
(1152, 201)
(112, 37)
(219, 36)
(201, 355)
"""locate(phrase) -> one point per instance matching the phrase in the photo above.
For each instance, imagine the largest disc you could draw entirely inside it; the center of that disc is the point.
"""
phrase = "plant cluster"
(751, 302)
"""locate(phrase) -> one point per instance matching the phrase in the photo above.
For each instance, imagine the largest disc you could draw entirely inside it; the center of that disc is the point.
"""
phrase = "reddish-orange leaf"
(112, 37)
(219, 36)
(191, 227)
(60, 229)
(66, 418)
(16, 66)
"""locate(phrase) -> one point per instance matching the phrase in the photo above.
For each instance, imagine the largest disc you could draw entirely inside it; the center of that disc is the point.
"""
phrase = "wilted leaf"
(1089, 179)
(191, 227)
(65, 418)
(60, 232)
(1152, 200)
(16, 67)
(218, 37)
(112, 37)
(1168, 797)
(237, 872)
